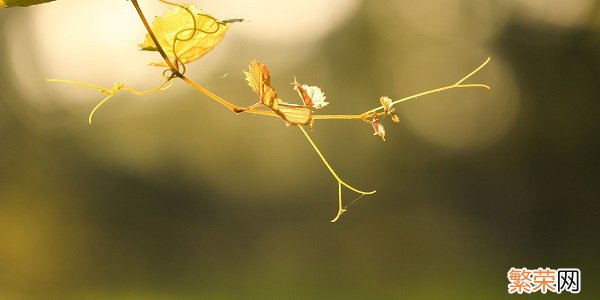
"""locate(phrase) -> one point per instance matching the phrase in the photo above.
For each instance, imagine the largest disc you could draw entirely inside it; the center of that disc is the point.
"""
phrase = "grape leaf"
(176, 27)
(295, 115)
(11, 3)
(259, 80)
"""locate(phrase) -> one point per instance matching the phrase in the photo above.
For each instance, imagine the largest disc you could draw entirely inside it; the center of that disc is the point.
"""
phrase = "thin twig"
(341, 209)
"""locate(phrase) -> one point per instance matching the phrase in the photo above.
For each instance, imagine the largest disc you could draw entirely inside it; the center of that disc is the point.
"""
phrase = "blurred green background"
(170, 196)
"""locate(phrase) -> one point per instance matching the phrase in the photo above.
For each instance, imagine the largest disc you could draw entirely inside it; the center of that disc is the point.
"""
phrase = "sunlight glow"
(92, 46)
(285, 21)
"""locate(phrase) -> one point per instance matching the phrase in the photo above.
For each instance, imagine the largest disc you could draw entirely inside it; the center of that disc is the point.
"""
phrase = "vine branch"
(273, 106)
(254, 110)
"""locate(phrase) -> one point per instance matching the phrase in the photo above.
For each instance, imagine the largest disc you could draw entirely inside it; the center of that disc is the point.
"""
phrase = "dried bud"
(378, 128)
(386, 102)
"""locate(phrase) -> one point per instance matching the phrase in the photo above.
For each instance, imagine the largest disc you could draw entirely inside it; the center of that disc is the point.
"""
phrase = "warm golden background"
(170, 196)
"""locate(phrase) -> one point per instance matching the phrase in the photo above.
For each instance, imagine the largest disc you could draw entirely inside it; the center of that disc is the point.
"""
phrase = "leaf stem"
(363, 116)
(153, 37)
(474, 71)
(458, 84)
(448, 87)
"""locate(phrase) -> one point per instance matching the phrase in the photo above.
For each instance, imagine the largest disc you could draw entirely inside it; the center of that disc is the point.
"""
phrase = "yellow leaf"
(11, 3)
(295, 115)
(259, 80)
(176, 28)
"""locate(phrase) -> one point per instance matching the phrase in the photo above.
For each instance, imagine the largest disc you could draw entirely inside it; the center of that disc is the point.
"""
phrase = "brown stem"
(153, 37)
(229, 105)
